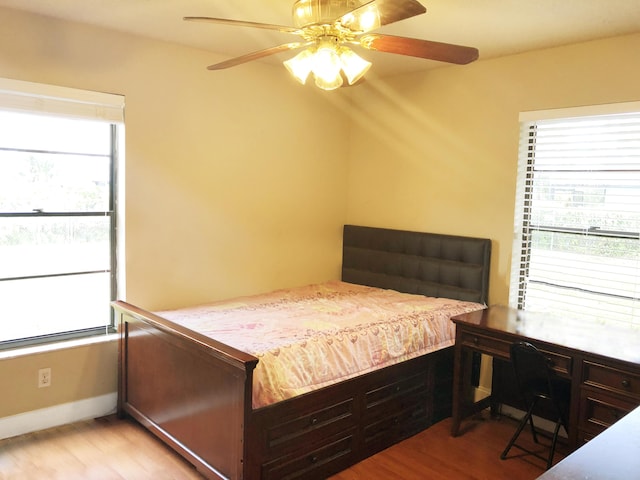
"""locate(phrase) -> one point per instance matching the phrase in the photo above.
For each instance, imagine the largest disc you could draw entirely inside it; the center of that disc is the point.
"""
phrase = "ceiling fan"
(329, 27)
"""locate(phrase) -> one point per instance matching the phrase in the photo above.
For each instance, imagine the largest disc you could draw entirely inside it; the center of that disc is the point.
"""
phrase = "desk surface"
(612, 455)
(616, 342)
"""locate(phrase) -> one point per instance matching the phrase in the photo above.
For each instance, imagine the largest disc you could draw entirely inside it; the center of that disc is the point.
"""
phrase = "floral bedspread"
(309, 337)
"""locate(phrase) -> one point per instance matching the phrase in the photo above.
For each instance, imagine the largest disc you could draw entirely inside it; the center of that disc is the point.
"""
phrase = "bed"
(196, 393)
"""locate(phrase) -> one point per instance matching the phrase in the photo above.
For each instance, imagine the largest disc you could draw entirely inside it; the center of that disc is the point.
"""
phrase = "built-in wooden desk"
(612, 455)
(601, 362)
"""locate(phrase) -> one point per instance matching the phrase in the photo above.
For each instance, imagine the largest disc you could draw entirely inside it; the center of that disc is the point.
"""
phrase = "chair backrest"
(532, 369)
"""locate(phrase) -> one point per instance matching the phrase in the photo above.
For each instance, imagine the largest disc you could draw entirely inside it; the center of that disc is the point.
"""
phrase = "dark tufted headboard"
(430, 264)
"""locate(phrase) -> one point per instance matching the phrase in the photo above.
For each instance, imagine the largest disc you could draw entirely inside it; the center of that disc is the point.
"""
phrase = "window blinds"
(577, 224)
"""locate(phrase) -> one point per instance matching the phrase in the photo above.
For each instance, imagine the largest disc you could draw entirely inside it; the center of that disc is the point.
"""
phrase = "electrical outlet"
(44, 377)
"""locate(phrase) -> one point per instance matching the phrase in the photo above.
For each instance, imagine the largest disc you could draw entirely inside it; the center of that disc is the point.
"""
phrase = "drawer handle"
(476, 340)
(314, 421)
(626, 383)
(615, 414)
(313, 459)
(397, 388)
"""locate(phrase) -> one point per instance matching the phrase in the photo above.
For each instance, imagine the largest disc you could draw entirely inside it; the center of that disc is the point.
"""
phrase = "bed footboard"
(192, 392)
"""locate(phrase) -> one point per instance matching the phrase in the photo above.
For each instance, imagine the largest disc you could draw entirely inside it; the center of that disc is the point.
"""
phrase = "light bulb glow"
(303, 12)
(364, 21)
(369, 20)
(300, 66)
(329, 84)
(330, 62)
(353, 66)
(326, 63)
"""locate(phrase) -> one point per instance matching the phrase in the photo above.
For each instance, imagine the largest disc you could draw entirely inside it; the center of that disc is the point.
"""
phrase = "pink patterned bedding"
(309, 337)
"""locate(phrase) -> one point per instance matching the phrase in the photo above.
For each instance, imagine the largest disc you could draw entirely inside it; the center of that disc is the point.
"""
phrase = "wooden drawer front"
(584, 437)
(321, 462)
(387, 430)
(562, 364)
(397, 410)
(396, 396)
(315, 425)
(599, 411)
(488, 345)
(613, 379)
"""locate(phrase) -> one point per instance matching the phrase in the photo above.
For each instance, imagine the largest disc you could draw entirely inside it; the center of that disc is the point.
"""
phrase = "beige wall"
(239, 181)
(235, 180)
(438, 151)
(76, 373)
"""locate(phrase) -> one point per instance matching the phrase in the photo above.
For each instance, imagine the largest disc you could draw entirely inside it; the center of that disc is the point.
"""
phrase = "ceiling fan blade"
(256, 55)
(443, 52)
(240, 23)
(377, 13)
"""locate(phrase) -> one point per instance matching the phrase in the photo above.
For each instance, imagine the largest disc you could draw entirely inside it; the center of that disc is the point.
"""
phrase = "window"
(58, 157)
(577, 222)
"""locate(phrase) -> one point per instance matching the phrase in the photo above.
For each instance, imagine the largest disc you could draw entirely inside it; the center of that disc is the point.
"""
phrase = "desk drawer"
(485, 344)
(611, 379)
(562, 364)
(584, 437)
(599, 411)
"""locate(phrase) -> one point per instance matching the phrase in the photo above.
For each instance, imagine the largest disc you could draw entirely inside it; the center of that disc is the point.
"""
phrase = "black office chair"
(536, 381)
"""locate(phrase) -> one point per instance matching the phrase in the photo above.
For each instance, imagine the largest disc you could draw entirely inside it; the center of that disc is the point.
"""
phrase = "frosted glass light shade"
(300, 66)
(329, 84)
(326, 63)
(326, 68)
(353, 66)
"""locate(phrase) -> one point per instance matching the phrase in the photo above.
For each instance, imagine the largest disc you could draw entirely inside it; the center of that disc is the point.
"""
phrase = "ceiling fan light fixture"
(353, 65)
(301, 65)
(326, 27)
(328, 61)
(326, 66)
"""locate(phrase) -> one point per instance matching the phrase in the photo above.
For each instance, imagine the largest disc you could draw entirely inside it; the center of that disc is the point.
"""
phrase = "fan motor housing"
(319, 12)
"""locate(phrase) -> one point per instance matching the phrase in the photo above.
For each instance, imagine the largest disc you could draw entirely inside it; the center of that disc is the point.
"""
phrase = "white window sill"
(54, 346)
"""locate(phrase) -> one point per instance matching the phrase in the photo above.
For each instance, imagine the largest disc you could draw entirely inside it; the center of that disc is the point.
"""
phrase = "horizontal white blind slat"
(577, 223)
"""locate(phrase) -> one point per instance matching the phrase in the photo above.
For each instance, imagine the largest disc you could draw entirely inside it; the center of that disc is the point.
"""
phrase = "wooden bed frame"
(195, 393)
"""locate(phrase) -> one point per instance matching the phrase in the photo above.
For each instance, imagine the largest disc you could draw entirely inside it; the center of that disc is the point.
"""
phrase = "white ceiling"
(495, 27)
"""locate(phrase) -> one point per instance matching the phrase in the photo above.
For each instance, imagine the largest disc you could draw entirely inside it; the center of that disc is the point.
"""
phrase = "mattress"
(310, 337)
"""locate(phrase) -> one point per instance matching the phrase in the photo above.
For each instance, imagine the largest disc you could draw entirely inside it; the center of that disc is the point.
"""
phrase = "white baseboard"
(58, 415)
(542, 423)
(480, 393)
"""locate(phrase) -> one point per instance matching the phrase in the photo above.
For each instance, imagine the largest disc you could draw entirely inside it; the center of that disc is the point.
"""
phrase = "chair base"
(528, 418)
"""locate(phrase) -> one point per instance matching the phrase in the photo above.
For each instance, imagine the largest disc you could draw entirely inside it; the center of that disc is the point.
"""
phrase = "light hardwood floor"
(113, 449)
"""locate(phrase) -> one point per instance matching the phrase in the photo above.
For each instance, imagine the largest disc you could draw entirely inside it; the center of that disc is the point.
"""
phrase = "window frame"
(62, 102)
